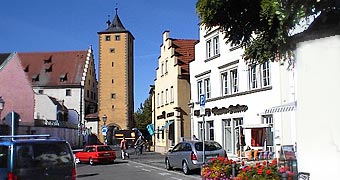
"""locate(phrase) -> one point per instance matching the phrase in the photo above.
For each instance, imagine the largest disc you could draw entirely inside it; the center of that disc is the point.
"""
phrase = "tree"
(261, 27)
(143, 115)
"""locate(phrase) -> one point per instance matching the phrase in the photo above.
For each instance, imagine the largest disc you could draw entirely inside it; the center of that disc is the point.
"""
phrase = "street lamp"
(104, 130)
(2, 105)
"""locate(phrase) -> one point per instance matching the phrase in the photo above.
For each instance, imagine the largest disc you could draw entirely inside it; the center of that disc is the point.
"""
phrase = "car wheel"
(167, 164)
(91, 162)
(185, 168)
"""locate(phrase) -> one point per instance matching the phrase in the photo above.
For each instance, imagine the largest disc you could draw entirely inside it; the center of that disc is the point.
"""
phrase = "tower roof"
(115, 26)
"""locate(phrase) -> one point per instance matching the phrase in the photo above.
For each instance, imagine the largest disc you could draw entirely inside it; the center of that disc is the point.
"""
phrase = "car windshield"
(42, 155)
(103, 148)
(209, 146)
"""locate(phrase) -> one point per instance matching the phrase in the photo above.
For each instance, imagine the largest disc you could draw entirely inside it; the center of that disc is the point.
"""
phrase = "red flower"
(268, 171)
(259, 171)
(264, 162)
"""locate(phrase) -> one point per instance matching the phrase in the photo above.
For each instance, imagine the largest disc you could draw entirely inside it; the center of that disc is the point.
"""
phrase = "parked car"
(188, 155)
(36, 157)
(96, 154)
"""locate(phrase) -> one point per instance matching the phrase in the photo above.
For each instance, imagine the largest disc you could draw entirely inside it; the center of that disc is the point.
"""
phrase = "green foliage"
(262, 27)
(143, 115)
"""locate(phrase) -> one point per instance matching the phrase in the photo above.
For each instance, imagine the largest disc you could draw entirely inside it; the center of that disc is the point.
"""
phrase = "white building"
(257, 101)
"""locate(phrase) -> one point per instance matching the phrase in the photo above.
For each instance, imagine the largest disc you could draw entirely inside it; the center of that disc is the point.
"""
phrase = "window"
(224, 78)
(112, 64)
(265, 74)
(200, 130)
(162, 98)
(172, 97)
(92, 94)
(41, 91)
(210, 128)
(227, 136)
(158, 100)
(209, 53)
(112, 81)
(252, 77)
(68, 92)
(107, 38)
(87, 93)
(166, 96)
(259, 75)
(113, 95)
(162, 69)
(117, 37)
(112, 50)
(212, 47)
(234, 80)
(207, 88)
(203, 87)
(166, 67)
(216, 46)
(113, 106)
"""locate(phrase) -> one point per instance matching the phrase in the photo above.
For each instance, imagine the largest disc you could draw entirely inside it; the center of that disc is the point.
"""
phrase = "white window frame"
(158, 100)
(166, 96)
(210, 127)
(234, 81)
(209, 49)
(162, 69)
(216, 45)
(207, 88)
(204, 87)
(166, 67)
(162, 98)
(265, 78)
(225, 83)
(252, 74)
(172, 96)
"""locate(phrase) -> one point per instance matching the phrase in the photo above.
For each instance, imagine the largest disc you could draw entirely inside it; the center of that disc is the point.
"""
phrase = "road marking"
(138, 166)
(166, 171)
(164, 174)
(146, 170)
(176, 178)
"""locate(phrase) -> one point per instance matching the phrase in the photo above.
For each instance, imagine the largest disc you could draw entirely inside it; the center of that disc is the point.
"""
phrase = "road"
(129, 170)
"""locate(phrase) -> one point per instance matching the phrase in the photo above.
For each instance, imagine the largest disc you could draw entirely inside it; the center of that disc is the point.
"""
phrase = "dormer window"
(49, 60)
(35, 78)
(49, 69)
(26, 68)
(63, 77)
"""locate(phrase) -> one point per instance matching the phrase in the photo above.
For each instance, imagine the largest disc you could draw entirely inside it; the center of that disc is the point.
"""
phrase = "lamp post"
(104, 130)
(2, 105)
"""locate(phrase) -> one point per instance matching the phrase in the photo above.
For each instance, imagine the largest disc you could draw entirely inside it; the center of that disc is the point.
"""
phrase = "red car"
(96, 154)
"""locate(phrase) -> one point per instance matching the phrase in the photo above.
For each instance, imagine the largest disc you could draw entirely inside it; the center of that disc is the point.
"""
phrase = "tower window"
(117, 37)
(112, 64)
(112, 81)
(41, 91)
(112, 50)
(113, 106)
(68, 92)
(113, 95)
(107, 38)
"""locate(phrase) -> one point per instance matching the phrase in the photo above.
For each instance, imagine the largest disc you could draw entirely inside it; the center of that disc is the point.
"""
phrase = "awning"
(166, 125)
(283, 108)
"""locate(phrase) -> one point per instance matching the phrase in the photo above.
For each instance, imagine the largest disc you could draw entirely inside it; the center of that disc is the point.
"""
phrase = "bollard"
(284, 176)
(233, 170)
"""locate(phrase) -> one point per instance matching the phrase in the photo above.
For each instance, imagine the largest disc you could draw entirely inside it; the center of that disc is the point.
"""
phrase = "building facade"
(245, 104)
(68, 76)
(171, 92)
(116, 48)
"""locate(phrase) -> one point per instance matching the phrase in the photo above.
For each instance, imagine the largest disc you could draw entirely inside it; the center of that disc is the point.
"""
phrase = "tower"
(115, 77)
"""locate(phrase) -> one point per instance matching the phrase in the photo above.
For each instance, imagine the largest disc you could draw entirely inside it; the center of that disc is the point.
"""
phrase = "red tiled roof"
(68, 64)
(185, 51)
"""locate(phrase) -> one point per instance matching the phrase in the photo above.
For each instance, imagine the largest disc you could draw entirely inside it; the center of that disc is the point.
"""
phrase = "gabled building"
(68, 76)
(245, 104)
(116, 99)
(171, 92)
(15, 90)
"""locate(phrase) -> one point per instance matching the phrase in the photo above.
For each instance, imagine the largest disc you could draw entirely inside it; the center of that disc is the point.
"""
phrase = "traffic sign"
(104, 129)
(202, 100)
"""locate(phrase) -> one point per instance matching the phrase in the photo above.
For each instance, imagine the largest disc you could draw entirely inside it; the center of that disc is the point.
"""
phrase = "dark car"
(35, 157)
(96, 154)
(188, 155)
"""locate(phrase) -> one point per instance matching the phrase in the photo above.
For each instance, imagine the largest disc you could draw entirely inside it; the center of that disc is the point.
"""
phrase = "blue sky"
(64, 25)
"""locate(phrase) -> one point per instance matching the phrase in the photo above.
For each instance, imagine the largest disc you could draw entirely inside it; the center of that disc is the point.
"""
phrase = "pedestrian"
(139, 144)
(123, 148)
(194, 138)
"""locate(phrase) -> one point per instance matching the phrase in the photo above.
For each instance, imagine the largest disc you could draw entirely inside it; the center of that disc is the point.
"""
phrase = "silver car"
(188, 155)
